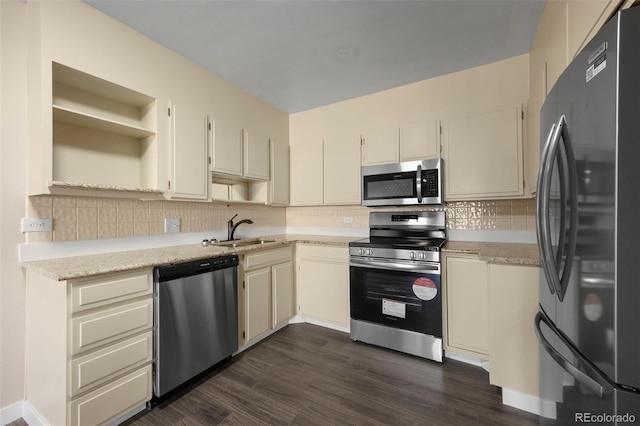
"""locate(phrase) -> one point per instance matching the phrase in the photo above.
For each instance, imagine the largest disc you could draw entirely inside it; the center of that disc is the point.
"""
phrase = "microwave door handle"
(547, 261)
(591, 379)
(419, 184)
(572, 182)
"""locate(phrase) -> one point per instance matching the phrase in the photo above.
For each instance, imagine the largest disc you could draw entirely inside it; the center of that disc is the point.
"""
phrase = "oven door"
(396, 293)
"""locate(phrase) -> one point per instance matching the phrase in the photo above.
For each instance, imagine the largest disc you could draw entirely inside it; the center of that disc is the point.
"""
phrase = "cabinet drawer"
(320, 252)
(95, 292)
(267, 257)
(113, 400)
(97, 368)
(99, 328)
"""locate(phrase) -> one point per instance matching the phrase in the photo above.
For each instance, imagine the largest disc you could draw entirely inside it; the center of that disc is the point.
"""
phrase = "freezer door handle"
(592, 379)
(542, 219)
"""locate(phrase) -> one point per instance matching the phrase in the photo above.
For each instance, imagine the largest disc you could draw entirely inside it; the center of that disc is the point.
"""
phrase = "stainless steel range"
(396, 294)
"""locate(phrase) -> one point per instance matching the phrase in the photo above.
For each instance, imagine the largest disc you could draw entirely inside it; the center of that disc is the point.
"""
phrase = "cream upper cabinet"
(483, 155)
(227, 148)
(420, 141)
(380, 145)
(280, 182)
(412, 141)
(322, 284)
(513, 346)
(256, 155)
(307, 171)
(467, 316)
(190, 144)
(342, 168)
(83, 128)
(584, 20)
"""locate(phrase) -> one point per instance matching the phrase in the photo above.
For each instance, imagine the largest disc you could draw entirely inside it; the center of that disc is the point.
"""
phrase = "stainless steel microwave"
(402, 184)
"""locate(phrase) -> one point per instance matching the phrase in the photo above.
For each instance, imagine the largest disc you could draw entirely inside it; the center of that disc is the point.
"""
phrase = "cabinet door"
(323, 291)
(513, 346)
(279, 185)
(227, 148)
(258, 302)
(256, 155)
(420, 141)
(283, 292)
(189, 153)
(342, 170)
(467, 305)
(483, 155)
(380, 146)
(307, 174)
(584, 19)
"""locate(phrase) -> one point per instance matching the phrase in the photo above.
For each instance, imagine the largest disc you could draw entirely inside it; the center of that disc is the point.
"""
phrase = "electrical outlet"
(171, 225)
(348, 219)
(35, 225)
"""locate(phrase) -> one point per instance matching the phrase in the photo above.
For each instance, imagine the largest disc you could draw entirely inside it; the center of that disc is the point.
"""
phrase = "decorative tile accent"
(89, 218)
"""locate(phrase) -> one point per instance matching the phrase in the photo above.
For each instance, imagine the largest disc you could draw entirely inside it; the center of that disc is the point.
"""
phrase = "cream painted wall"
(477, 89)
(12, 198)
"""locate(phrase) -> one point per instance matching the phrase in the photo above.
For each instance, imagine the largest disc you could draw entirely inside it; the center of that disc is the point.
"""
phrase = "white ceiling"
(297, 55)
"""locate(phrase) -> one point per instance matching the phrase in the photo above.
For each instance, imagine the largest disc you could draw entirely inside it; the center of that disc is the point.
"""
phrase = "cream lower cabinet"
(267, 299)
(513, 346)
(483, 155)
(466, 294)
(89, 346)
(322, 284)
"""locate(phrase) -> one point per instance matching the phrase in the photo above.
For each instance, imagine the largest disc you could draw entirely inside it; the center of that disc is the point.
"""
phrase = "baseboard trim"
(321, 323)
(529, 403)
(20, 409)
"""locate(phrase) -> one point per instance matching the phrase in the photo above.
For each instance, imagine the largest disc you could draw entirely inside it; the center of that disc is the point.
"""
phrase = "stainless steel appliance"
(588, 224)
(406, 183)
(195, 319)
(395, 289)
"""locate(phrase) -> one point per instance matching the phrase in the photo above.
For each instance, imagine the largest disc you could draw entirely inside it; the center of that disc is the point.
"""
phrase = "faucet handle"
(234, 216)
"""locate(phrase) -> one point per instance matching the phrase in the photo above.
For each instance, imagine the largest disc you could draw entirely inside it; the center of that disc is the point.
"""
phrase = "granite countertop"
(84, 266)
(505, 253)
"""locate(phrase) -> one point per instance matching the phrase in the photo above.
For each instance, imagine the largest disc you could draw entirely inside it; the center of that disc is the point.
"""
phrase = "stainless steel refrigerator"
(588, 226)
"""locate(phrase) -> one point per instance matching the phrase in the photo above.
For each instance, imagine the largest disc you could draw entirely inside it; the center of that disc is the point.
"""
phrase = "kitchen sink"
(247, 242)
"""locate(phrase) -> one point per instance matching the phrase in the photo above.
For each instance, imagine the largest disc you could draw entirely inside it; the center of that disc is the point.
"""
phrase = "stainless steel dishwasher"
(195, 319)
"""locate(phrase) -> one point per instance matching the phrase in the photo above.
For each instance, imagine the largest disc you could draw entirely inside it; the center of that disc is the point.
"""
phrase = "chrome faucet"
(231, 227)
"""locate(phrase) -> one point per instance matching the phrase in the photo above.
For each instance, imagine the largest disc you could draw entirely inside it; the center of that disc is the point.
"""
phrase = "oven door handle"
(395, 265)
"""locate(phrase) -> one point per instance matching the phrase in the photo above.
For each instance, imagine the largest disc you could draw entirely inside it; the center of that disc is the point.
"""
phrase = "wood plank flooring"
(309, 375)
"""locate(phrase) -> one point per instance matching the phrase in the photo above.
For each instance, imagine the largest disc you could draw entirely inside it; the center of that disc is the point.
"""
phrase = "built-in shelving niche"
(104, 135)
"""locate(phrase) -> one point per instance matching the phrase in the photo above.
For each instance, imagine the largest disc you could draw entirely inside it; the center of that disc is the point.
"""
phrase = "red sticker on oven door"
(424, 288)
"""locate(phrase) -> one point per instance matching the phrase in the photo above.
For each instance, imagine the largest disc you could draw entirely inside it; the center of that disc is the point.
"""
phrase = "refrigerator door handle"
(542, 220)
(556, 279)
(572, 175)
(592, 379)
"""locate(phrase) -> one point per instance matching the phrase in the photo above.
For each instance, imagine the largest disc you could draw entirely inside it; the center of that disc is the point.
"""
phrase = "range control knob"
(369, 252)
(412, 255)
(421, 256)
(361, 252)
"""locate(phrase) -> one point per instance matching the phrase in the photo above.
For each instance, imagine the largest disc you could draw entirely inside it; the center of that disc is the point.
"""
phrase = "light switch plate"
(171, 225)
(348, 219)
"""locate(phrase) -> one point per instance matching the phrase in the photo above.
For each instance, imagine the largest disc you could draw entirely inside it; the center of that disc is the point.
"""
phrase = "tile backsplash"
(85, 218)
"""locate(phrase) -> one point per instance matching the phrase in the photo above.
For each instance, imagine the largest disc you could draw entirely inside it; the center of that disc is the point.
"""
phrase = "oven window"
(394, 185)
(406, 300)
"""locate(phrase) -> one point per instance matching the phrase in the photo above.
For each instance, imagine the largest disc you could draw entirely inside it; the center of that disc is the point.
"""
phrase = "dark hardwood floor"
(309, 375)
